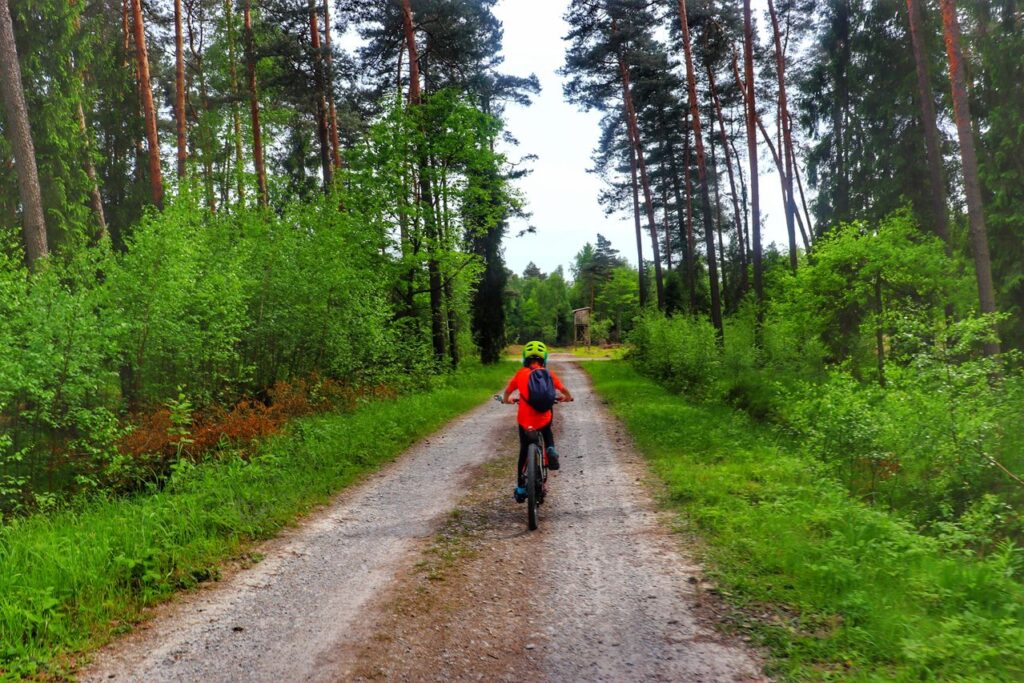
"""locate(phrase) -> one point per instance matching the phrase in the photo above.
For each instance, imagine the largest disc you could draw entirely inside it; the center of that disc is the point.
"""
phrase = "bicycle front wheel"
(533, 485)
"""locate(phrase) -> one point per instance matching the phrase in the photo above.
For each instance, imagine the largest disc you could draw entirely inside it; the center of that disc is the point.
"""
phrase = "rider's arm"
(566, 395)
(509, 390)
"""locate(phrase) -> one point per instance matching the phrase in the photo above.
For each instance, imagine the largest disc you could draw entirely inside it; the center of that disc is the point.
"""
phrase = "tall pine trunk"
(179, 90)
(95, 198)
(634, 136)
(718, 227)
(972, 185)
(319, 86)
(207, 140)
(254, 109)
(691, 240)
(787, 139)
(709, 238)
(937, 193)
(732, 181)
(236, 117)
(437, 319)
(636, 221)
(156, 184)
(20, 136)
(332, 111)
(677, 195)
(755, 189)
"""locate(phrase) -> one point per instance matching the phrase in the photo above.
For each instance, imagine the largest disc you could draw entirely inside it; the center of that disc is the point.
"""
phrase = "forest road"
(602, 592)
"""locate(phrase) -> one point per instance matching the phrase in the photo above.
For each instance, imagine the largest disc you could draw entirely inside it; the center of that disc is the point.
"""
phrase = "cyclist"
(535, 355)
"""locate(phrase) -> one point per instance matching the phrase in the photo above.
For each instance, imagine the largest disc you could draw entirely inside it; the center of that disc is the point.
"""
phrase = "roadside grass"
(616, 352)
(73, 578)
(834, 589)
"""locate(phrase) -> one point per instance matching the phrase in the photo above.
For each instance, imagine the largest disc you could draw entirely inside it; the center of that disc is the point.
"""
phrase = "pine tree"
(20, 136)
(254, 109)
(716, 303)
(968, 156)
(149, 111)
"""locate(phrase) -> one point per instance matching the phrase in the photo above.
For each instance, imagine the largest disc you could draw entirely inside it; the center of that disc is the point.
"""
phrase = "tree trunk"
(972, 185)
(750, 100)
(718, 228)
(665, 228)
(636, 222)
(453, 324)
(732, 181)
(755, 188)
(95, 199)
(331, 108)
(634, 135)
(803, 203)
(841, 113)
(691, 241)
(709, 238)
(879, 331)
(781, 170)
(937, 193)
(207, 140)
(326, 163)
(787, 139)
(149, 111)
(414, 60)
(677, 195)
(236, 117)
(179, 90)
(254, 108)
(20, 136)
(437, 321)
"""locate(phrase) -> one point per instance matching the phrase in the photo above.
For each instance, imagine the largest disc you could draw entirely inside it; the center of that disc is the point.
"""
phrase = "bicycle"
(535, 472)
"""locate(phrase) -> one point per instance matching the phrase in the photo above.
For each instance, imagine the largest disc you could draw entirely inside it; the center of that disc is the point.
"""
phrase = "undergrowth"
(74, 577)
(834, 588)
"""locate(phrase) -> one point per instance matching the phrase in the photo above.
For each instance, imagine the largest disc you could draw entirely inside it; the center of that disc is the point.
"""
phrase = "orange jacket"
(527, 417)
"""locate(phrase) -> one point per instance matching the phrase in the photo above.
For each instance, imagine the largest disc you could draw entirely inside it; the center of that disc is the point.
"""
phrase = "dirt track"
(379, 586)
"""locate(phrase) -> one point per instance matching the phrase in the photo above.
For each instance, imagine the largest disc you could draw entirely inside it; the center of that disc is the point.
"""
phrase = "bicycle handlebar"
(497, 397)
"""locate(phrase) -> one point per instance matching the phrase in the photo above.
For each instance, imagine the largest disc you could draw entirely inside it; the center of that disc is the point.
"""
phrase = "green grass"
(833, 589)
(71, 579)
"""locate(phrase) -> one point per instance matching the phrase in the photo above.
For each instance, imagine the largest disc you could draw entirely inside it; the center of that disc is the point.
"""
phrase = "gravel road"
(614, 598)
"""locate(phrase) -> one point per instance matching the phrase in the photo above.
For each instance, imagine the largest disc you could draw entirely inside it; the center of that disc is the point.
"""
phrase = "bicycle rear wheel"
(533, 485)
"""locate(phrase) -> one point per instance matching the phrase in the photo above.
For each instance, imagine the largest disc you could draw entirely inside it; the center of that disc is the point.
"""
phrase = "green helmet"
(535, 349)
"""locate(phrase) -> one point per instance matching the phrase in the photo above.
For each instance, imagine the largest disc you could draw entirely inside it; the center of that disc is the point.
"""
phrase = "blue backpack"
(540, 390)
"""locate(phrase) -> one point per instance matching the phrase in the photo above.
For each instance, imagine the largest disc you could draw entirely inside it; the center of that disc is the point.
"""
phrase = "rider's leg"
(549, 441)
(524, 442)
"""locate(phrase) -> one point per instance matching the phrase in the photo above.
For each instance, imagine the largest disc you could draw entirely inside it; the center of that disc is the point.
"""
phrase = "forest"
(215, 218)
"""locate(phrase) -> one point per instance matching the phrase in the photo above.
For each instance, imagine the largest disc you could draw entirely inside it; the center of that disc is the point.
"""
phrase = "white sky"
(560, 193)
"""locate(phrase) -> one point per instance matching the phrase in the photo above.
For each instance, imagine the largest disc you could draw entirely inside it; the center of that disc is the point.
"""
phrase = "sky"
(561, 195)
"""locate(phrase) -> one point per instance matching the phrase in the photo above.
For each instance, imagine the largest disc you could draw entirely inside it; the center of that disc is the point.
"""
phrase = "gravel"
(612, 595)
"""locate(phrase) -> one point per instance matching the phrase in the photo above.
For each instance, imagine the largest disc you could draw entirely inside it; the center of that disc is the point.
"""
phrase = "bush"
(217, 308)
(924, 424)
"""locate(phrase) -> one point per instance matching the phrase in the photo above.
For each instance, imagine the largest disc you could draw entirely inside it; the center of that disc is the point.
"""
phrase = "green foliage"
(70, 576)
(538, 307)
(924, 425)
(834, 588)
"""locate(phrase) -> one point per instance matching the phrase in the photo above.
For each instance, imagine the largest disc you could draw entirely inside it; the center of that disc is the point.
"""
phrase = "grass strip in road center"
(834, 588)
(71, 579)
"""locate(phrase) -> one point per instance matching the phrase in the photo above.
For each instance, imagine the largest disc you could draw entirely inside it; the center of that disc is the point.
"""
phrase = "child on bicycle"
(535, 355)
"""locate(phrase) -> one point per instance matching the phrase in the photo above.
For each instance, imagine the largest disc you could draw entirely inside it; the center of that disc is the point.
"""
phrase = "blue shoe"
(520, 494)
(553, 458)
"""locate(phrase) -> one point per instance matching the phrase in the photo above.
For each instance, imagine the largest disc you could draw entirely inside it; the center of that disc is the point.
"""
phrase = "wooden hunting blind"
(581, 326)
